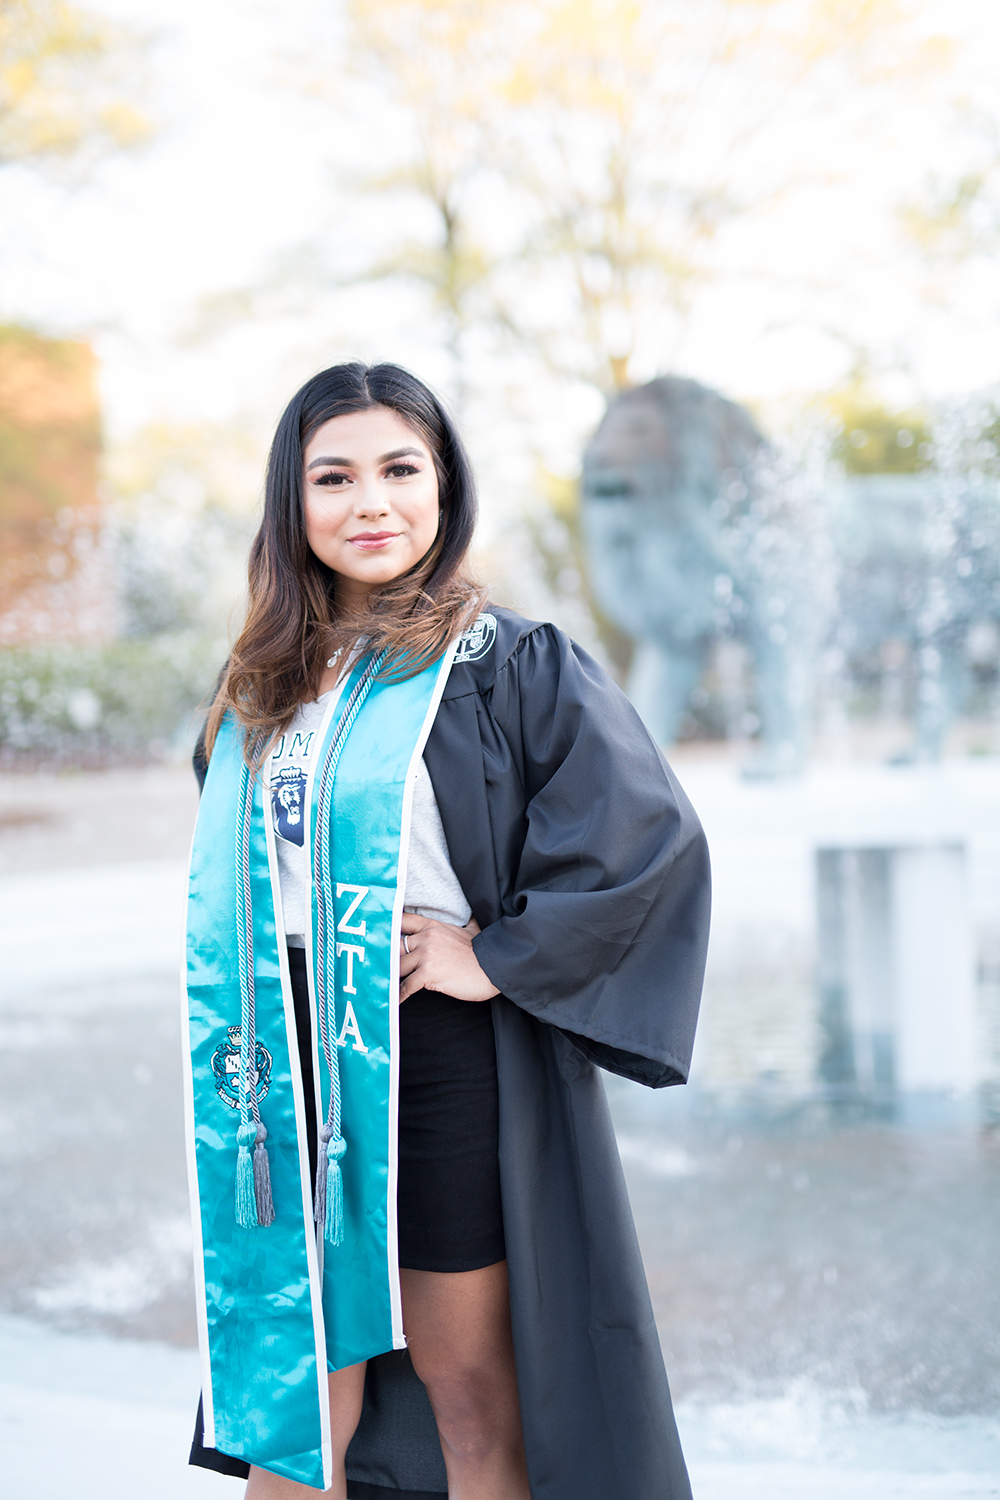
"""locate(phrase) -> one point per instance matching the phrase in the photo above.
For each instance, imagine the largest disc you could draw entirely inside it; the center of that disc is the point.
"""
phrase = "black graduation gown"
(587, 870)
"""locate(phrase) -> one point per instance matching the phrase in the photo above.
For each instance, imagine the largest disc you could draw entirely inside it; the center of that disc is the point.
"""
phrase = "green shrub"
(128, 701)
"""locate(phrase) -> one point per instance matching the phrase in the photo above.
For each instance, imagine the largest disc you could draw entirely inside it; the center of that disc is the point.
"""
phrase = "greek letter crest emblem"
(474, 643)
(226, 1067)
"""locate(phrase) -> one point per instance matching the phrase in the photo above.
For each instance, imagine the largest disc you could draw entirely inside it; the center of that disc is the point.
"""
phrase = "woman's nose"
(368, 501)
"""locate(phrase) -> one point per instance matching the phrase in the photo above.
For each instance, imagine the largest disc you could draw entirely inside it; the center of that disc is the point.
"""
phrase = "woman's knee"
(474, 1406)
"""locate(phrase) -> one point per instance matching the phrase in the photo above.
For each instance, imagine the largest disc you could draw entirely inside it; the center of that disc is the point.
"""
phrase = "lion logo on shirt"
(288, 804)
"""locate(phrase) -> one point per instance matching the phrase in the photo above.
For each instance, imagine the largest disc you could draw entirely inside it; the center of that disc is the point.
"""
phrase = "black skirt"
(449, 1212)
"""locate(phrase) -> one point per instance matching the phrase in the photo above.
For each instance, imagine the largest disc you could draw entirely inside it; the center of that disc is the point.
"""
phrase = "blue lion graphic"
(288, 803)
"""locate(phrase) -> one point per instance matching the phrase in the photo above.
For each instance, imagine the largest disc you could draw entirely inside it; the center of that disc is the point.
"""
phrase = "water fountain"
(896, 972)
(764, 575)
(794, 594)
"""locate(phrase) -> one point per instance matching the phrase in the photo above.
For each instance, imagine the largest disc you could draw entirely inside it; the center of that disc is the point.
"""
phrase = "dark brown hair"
(293, 621)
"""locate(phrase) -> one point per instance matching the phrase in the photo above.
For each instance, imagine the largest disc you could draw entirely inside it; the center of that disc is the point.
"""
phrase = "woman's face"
(371, 498)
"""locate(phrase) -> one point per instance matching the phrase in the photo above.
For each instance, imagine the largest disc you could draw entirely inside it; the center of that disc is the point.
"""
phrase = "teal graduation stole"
(294, 1277)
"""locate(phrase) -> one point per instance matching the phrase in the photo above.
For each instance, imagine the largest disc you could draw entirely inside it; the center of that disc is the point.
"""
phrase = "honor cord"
(254, 1204)
(328, 1210)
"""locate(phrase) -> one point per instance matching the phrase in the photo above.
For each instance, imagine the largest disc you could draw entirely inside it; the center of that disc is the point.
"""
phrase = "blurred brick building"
(55, 577)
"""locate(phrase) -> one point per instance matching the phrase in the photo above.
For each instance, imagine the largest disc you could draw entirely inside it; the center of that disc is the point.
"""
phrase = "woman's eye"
(400, 471)
(334, 479)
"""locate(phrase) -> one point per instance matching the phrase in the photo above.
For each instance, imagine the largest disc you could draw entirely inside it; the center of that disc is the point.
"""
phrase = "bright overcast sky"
(237, 175)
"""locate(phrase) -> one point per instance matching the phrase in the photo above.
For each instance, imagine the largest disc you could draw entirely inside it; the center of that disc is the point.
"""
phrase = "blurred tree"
(446, 65)
(651, 125)
(562, 177)
(575, 160)
(50, 448)
(181, 517)
(65, 86)
(67, 95)
(874, 438)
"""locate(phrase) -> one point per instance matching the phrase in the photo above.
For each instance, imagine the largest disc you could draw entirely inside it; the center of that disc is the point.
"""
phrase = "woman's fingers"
(412, 965)
(408, 961)
(409, 956)
(439, 956)
(409, 986)
(412, 923)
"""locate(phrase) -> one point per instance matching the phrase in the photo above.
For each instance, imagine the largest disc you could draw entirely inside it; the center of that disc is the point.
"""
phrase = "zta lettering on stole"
(351, 952)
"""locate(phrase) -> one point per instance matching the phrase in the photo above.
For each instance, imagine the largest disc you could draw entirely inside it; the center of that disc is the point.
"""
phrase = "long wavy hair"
(294, 620)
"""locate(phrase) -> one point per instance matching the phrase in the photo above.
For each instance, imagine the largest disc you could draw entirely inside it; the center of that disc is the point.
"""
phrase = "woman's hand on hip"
(440, 957)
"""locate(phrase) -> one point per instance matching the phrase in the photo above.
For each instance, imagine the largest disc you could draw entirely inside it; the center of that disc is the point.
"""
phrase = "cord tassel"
(246, 1198)
(319, 1196)
(262, 1180)
(334, 1228)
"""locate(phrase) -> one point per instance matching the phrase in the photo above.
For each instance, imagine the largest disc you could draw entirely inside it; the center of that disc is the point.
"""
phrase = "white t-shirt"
(432, 888)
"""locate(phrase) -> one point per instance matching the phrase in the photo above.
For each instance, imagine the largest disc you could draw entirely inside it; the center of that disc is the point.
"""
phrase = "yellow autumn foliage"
(66, 83)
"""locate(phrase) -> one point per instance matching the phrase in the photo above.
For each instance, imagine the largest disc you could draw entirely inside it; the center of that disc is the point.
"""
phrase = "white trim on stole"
(395, 1297)
(291, 1035)
(313, 1246)
(194, 1194)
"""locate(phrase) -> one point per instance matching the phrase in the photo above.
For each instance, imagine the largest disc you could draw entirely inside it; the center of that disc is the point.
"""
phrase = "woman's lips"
(371, 541)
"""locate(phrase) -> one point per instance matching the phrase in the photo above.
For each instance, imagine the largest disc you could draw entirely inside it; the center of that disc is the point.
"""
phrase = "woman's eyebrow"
(348, 463)
(401, 453)
(345, 463)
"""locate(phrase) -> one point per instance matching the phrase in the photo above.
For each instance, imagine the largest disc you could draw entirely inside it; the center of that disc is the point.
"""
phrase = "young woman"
(440, 871)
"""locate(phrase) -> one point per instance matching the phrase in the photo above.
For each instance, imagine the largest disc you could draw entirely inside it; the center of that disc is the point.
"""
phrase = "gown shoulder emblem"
(474, 643)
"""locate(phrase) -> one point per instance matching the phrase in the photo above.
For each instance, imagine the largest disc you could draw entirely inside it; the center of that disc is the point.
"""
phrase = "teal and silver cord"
(328, 1206)
(254, 1203)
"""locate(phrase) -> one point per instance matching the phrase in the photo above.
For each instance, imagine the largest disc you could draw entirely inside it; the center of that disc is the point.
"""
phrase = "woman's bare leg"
(347, 1388)
(458, 1330)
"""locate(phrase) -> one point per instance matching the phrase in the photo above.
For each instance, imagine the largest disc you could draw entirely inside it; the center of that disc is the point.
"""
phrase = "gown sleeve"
(199, 761)
(606, 929)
